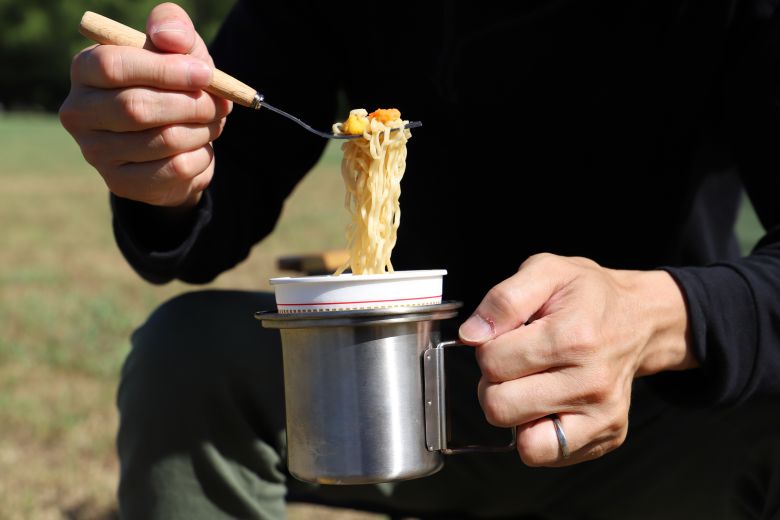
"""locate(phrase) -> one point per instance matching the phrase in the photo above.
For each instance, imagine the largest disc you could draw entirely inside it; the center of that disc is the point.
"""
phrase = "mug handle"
(435, 405)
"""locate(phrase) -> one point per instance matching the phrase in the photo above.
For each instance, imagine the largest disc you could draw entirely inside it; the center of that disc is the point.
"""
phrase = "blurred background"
(68, 301)
(39, 37)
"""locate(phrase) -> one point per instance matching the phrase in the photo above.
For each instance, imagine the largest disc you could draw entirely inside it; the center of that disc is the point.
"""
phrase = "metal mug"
(364, 393)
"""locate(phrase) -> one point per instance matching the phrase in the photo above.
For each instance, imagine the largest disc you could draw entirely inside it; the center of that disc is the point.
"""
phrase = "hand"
(567, 336)
(141, 116)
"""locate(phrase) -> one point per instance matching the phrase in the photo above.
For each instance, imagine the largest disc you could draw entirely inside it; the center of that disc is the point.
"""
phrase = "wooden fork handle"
(106, 31)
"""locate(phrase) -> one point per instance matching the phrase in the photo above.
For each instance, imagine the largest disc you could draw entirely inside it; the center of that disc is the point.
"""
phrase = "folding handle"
(435, 386)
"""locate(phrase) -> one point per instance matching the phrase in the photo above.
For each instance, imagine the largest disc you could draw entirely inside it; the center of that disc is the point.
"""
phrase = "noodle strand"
(372, 169)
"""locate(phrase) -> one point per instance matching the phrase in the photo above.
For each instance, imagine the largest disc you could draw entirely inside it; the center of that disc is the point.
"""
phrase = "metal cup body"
(354, 395)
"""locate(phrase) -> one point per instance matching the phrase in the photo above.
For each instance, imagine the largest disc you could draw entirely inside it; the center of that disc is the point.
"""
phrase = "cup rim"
(348, 277)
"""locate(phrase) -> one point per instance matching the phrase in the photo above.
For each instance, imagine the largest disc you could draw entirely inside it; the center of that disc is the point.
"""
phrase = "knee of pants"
(200, 365)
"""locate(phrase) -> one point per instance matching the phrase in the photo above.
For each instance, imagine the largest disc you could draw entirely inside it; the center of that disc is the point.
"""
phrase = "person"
(578, 174)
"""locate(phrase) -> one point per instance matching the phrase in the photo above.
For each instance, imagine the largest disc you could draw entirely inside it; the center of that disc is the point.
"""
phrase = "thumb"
(171, 29)
(514, 301)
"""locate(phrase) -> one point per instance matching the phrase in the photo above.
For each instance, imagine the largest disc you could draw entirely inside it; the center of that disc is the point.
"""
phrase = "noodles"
(372, 168)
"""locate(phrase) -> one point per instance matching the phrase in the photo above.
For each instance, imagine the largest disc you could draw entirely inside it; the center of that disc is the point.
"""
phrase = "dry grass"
(68, 302)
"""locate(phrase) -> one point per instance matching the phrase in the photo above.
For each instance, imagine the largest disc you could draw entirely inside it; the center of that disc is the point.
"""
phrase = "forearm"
(735, 322)
(722, 319)
(259, 158)
(153, 239)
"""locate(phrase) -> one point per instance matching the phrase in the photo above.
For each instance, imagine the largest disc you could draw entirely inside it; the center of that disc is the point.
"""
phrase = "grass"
(68, 302)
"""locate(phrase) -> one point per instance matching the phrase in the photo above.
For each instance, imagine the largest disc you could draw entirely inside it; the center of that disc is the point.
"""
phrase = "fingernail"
(199, 74)
(170, 27)
(476, 329)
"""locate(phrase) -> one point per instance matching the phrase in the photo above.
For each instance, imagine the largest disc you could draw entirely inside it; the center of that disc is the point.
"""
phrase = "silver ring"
(562, 442)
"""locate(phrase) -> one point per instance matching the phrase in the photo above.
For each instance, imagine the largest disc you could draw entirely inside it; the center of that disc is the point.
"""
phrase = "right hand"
(141, 117)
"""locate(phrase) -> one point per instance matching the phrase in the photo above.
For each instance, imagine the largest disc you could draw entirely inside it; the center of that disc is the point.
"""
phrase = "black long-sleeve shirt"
(615, 130)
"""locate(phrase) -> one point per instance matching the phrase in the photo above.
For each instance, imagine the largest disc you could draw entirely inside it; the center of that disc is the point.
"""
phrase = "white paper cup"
(356, 292)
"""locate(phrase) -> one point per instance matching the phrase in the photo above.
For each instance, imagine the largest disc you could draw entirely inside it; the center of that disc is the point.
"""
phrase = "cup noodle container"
(355, 292)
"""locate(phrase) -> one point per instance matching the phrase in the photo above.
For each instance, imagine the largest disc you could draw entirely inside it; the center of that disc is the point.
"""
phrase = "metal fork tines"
(259, 102)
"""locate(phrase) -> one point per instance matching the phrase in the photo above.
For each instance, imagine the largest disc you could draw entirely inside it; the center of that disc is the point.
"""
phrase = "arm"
(735, 306)
(260, 156)
(257, 160)
(141, 117)
(566, 336)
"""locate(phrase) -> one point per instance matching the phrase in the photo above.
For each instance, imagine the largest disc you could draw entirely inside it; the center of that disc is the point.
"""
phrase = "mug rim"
(358, 317)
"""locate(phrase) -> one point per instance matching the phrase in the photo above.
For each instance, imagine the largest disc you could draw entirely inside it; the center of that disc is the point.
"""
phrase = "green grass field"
(68, 302)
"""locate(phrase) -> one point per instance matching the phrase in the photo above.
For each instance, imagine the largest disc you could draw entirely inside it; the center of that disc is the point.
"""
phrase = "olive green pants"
(202, 436)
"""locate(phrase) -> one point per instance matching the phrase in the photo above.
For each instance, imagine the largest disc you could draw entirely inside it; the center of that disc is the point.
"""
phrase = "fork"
(106, 31)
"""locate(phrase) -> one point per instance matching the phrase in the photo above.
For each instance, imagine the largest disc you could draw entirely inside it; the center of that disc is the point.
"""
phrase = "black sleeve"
(734, 307)
(278, 49)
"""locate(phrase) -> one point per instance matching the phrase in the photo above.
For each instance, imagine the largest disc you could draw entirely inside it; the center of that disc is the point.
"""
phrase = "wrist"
(657, 302)
(157, 228)
(187, 205)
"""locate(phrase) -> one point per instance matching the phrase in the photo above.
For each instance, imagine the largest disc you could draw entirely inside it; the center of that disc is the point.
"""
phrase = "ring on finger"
(562, 442)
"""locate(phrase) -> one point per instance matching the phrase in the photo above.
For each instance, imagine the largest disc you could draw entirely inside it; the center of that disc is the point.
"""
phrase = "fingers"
(527, 350)
(593, 410)
(587, 438)
(171, 29)
(560, 390)
(543, 345)
(103, 147)
(524, 400)
(141, 116)
(141, 108)
(185, 64)
(167, 182)
(111, 66)
(547, 343)
(514, 301)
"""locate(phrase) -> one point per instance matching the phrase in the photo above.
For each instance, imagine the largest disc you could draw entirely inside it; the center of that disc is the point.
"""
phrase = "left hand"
(566, 336)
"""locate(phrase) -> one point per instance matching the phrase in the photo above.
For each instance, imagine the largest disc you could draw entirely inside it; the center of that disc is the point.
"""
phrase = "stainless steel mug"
(364, 392)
